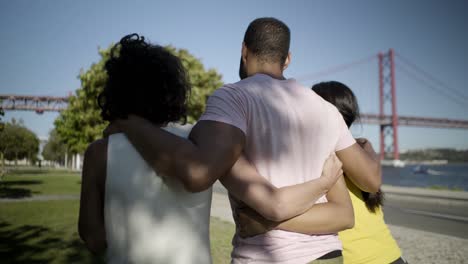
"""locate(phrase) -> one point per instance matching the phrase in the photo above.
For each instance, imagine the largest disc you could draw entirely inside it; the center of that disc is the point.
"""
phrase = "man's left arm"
(215, 148)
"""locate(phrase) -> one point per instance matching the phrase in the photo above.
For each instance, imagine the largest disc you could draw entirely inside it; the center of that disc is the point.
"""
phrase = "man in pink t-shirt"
(283, 128)
(290, 131)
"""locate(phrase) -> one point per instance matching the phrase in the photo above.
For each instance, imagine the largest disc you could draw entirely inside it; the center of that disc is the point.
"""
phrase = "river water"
(450, 176)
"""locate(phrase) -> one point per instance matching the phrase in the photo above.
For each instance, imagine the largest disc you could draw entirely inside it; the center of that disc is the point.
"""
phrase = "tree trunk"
(2, 169)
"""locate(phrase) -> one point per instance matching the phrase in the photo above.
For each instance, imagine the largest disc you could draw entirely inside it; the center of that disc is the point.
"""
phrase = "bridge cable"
(429, 76)
(335, 69)
(437, 89)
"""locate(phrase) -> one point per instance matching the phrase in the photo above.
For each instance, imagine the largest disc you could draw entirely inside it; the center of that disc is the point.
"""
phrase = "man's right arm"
(361, 164)
(361, 167)
(278, 204)
(216, 147)
(323, 218)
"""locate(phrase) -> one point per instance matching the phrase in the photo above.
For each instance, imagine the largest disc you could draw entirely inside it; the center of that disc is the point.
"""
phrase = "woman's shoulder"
(95, 160)
(97, 148)
(181, 130)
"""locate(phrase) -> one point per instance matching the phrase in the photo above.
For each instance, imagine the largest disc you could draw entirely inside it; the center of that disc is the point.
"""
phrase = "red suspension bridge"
(388, 122)
(39, 104)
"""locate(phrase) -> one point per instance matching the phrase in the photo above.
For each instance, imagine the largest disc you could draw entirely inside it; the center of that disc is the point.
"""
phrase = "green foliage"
(81, 123)
(452, 155)
(18, 142)
(203, 82)
(54, 149)
(2, 113)
(2, 127)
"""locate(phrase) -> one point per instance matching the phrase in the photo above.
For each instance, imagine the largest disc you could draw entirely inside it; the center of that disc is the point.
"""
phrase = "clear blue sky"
(44, 44)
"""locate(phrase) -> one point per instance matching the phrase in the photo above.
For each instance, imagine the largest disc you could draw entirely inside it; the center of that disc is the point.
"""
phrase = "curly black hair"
(144, 80)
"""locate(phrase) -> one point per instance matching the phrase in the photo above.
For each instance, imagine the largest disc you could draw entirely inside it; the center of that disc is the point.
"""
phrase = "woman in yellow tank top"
(370, 240)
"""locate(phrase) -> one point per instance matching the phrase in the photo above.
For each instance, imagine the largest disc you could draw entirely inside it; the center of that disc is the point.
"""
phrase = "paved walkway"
(417, 246)
(426, 193)
(221, 208)
(453, 196)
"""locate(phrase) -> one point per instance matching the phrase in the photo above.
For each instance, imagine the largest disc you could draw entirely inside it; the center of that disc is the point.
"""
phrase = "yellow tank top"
(370, 240)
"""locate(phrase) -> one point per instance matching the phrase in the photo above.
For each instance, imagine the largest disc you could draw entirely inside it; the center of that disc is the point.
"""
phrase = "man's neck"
(270, 71)
(273, 70)
(273, 75)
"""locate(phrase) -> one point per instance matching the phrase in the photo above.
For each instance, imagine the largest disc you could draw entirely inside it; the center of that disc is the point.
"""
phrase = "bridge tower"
(388, 131)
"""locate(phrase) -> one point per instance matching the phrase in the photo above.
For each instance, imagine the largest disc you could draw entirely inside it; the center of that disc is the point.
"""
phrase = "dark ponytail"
(345, 101)
(373, 200)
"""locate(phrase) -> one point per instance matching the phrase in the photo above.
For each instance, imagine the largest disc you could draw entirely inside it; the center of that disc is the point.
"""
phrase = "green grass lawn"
(221, 233)
(25, 183)
(46, 231)
(41, 232)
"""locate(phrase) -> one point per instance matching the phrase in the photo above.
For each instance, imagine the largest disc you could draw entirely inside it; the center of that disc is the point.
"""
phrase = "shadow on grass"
(8, 189)
(28, 171)
(37, 244)
(28, 182)
(35, 171)
(79, 254)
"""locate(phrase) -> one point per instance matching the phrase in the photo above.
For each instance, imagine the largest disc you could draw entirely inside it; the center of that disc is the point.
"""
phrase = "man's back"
(290, 131)
(148, 220)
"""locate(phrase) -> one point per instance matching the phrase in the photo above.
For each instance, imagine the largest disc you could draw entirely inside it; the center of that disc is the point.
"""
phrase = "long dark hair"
(345, 101)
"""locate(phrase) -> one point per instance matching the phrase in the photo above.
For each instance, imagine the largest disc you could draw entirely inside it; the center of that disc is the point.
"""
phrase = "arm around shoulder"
(214, 149)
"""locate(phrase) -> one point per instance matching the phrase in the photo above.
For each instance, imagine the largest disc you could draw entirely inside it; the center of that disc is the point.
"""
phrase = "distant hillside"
(452, 155)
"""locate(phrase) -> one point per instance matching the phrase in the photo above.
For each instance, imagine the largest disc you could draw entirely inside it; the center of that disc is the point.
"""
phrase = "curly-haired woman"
(125, 208)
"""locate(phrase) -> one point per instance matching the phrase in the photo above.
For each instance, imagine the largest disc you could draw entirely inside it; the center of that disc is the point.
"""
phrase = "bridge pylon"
(388, 131)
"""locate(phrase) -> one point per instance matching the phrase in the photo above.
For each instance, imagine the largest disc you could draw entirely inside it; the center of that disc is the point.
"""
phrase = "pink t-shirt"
(290, 131)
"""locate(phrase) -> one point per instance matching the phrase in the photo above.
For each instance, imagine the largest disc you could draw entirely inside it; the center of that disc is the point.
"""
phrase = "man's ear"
(287, 61)
(244, 53)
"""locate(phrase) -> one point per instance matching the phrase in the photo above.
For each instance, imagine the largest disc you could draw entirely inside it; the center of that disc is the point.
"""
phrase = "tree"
(2, 113)
(81, 123)
(451, 155)
(2, 127)
(203, 82)
(18, 142)
(54, 149)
